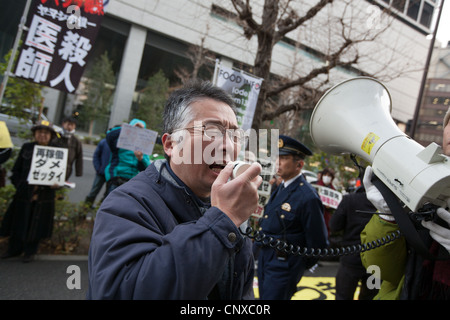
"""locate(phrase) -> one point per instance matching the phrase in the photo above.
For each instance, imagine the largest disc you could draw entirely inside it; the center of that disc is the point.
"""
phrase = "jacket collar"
(166, 173)
(280, 196)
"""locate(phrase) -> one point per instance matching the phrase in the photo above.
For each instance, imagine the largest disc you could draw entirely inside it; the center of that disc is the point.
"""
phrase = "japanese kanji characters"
(58, 42)
(48, 166)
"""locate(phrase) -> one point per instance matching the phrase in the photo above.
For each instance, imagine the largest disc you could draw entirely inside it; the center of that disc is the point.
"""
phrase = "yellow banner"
(310, 288)
(5, 138)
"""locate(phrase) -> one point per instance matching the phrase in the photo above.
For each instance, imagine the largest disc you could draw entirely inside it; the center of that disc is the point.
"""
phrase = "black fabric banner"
(59, 39)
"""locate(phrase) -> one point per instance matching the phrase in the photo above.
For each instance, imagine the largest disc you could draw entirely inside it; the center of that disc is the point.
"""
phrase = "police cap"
(288, 145)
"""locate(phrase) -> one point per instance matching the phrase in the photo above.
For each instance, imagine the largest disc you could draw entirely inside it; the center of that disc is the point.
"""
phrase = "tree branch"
(288, 24)
(332, 61)
(245, 14)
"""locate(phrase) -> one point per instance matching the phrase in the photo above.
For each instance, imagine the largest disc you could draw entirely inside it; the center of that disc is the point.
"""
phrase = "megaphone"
(354, 117)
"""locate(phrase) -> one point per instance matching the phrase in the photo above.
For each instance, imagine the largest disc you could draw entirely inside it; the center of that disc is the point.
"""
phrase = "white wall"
(396, 58)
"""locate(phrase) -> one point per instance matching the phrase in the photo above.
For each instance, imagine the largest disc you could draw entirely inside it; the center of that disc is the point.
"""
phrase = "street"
(66, 278)
(84, 183)
(46, 278)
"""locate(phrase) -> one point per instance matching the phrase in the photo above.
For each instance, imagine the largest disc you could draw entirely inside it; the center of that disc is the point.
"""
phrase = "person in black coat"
(351, 216)
(29, 217)
(102, 155)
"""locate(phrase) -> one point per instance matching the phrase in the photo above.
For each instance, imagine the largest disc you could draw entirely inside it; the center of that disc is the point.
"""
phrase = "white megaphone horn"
(354, 117)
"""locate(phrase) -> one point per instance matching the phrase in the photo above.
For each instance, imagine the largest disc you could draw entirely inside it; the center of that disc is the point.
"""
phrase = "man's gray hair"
(177, 113)
(446, 117)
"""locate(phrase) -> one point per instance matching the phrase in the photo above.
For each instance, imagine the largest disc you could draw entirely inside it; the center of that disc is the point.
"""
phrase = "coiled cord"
(282, 246)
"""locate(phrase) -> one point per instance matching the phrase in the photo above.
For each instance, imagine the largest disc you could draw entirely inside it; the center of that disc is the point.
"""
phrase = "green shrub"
(6, 195)
(71, 231)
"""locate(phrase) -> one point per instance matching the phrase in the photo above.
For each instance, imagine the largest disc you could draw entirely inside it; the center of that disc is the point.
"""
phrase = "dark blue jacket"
(151, 240)
(101, 157)
(296, 216)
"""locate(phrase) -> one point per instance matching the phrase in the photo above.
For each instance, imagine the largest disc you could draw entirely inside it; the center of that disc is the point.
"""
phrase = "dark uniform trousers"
(294, 215)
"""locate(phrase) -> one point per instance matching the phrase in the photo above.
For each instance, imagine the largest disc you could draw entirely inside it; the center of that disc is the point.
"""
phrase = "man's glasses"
(217, 131)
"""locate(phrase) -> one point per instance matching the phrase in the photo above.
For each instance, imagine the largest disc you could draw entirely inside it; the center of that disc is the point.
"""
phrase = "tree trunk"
(91, 127)
(263, 59)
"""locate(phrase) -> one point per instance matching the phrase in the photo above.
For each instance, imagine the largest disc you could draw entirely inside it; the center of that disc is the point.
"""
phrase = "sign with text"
(60, 37)
(264, 190)
(244, 88)
(330, 198)
(48, 166)
(137, 139)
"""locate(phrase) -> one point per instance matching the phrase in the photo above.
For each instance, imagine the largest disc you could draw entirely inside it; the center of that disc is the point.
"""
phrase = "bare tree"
(199, 56)
(337, 40)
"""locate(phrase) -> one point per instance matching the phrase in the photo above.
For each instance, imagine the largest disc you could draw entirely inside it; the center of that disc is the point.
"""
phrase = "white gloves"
(438, 233)
(375, 196)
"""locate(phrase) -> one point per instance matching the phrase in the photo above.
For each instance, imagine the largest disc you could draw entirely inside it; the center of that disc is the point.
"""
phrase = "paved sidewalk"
(48, 277)
(45, 278)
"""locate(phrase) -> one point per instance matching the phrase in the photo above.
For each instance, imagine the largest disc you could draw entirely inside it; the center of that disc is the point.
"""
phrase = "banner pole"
(23, 20)
(216, 71)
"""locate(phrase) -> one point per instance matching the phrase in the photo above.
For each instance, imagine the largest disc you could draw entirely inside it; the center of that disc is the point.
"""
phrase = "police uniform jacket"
(295, 215)
(153, 239)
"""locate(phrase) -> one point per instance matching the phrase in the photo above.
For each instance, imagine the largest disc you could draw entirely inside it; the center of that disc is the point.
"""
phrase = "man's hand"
(438, 233)
(237, 198)
(139, 155)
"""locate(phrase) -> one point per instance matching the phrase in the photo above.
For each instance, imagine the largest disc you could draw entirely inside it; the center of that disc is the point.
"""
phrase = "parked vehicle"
(21, 124)
(310, 176)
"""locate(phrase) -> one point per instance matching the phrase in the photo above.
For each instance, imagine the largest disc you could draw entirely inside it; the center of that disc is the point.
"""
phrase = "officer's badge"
(280, 143)
(286, 207)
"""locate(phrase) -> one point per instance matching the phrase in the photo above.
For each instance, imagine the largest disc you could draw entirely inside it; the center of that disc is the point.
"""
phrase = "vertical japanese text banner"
(244, 88)
(58, 42)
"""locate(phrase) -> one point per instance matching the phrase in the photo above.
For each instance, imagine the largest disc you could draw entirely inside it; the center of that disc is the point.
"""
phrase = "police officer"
(293, 214)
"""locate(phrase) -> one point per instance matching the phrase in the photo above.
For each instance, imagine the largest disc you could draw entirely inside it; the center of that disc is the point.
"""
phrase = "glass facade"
(418, 12)
(435, 104)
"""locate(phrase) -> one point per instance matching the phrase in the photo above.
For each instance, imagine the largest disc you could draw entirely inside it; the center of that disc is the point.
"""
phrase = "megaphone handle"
(402, 219)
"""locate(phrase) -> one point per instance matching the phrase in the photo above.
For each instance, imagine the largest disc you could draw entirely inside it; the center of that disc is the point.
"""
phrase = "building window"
(413, 9)
(418, 13)
(399, 4)
(427, 15)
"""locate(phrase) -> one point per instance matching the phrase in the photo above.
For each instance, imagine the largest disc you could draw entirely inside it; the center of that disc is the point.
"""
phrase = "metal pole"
(14, 50)
(425, 74)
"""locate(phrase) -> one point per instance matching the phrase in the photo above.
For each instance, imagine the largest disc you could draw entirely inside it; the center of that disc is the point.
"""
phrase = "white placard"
(48, 166)
(264, 190)
(244, 88)
(330, 198)
(137, 139)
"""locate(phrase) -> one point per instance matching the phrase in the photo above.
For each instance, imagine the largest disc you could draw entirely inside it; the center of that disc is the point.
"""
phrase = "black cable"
(284, 247)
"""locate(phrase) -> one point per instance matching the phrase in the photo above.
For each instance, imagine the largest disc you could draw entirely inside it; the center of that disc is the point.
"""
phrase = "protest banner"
(59, 39)
(264, 190)
(244, 88)
(330, 198)
(48, 166)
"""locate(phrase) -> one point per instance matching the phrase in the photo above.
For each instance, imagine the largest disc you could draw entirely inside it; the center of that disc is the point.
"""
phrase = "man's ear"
(167, 144)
